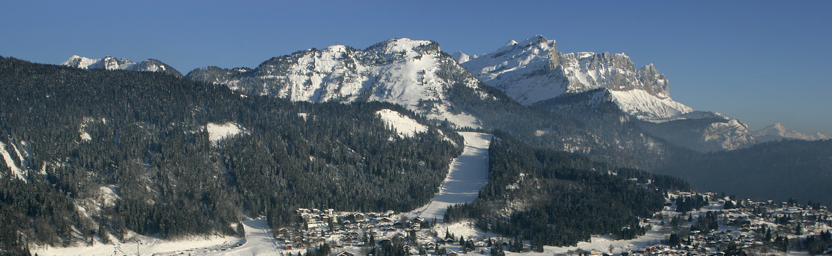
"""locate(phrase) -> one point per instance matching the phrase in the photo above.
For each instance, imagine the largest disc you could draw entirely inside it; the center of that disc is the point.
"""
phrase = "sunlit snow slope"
(468, 174)
(413, 73)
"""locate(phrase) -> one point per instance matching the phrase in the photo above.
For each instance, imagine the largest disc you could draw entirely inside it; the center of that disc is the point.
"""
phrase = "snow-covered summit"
(111, 63)
(412, 73)
(779, 132)
(533, 70)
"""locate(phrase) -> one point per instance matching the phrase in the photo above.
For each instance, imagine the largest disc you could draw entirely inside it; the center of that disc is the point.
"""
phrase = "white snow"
(16, 171)
(111, 63)
(401, 71)
(467, 175)
(778, 131)
(217, 132)
(258, 241)
(138, 244)
(405, 126)
(86, 136)
(108, 195)
(645, 106)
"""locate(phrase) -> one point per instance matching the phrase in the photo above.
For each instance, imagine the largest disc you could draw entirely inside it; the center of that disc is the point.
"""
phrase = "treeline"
(143, 135)
(565, 197)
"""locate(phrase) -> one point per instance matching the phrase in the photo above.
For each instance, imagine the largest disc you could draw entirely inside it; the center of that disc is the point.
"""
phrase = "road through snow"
(258, 241)
(467, 175)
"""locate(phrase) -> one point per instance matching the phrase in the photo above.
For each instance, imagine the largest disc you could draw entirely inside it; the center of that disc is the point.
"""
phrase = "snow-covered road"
(258, 241)
(467, 175)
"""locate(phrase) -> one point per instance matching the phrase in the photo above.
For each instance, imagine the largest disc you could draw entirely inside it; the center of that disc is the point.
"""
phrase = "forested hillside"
(556, 198)
(778, 170)
(110, 151)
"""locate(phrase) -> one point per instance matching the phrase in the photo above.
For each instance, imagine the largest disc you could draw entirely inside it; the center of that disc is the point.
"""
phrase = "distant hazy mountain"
(779, 132)
(111, 63)
(533, 71)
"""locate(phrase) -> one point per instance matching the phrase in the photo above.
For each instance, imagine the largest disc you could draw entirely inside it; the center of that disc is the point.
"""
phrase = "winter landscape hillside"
(396, 149)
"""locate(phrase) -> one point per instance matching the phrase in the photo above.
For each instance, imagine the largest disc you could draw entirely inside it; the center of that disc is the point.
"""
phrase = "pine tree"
(241, 230)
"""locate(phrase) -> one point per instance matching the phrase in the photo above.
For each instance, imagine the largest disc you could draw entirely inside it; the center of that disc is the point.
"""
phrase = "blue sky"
(761, 62)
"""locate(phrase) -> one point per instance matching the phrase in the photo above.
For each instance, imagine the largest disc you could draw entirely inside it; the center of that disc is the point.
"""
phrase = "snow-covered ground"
(217, 132)
(16, 171)
(467, 175)
(258, 241)
(404, 125)
(139, 244)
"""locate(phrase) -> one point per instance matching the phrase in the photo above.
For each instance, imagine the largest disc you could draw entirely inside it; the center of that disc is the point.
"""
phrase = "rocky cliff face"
(534, 72)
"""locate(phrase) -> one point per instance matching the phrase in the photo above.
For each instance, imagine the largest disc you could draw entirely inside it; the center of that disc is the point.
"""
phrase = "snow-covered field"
(141, 244)
(405, 126)
(467, 175)
(217, 132)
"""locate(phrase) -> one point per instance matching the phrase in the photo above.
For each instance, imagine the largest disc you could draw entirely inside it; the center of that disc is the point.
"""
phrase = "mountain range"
(99, 146)
(597, 104)
(530, 72)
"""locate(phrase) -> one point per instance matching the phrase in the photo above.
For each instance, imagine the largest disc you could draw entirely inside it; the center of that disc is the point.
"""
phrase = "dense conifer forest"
(556, 198)
(798, 169)
(80, 134)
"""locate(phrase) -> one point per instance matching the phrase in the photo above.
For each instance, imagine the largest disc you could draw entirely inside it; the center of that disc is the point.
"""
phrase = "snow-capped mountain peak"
(413, 73)
(533, 70)
(111, 63)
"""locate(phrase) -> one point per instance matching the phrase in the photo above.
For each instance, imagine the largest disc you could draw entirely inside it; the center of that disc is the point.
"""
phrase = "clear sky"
(761, 62)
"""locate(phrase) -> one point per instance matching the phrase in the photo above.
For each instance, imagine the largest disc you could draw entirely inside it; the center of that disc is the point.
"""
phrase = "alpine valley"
(100, 148)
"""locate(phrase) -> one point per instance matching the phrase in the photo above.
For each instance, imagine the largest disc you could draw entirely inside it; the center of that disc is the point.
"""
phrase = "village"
(720, 226)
